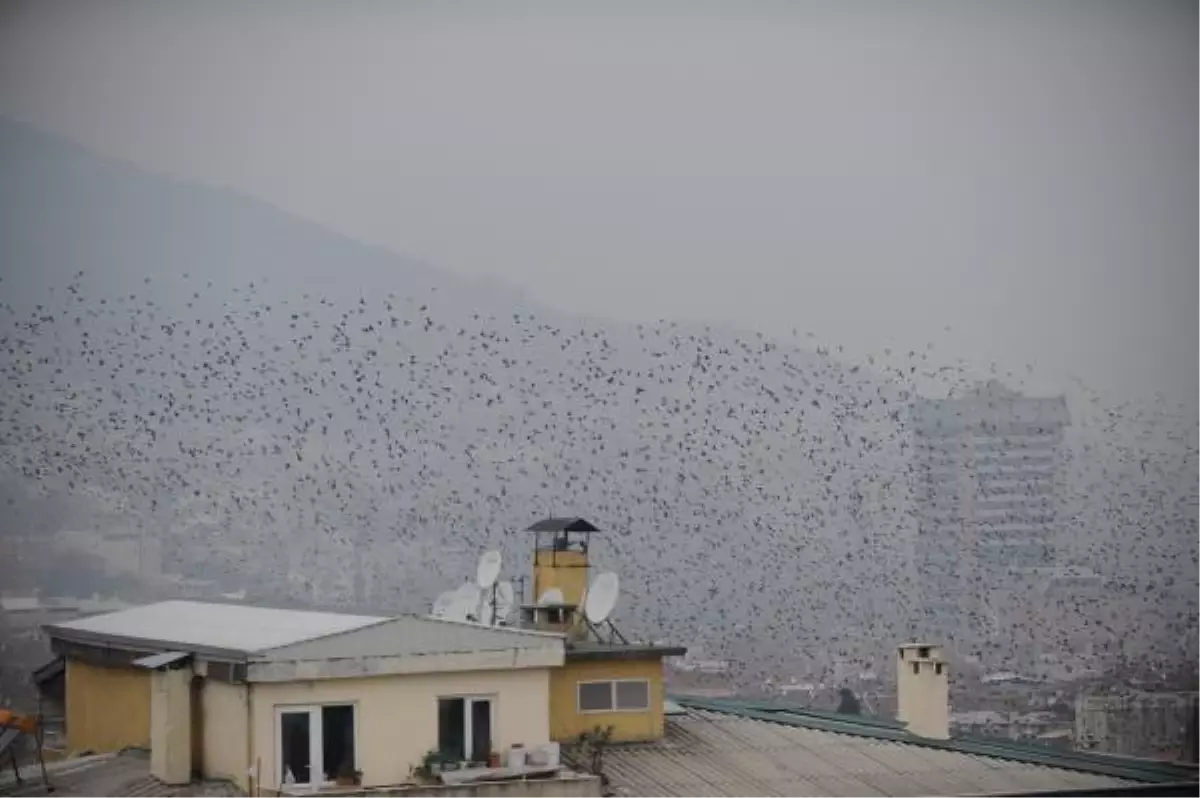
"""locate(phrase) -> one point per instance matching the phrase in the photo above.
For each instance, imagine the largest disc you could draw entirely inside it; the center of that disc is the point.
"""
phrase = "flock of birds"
(754, 495)
(350, 428)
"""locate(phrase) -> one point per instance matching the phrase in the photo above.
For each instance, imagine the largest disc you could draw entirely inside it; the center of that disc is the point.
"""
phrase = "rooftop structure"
(285, 700)
(607, 680)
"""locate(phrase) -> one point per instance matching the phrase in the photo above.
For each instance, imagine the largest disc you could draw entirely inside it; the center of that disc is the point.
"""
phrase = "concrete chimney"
(923, 690)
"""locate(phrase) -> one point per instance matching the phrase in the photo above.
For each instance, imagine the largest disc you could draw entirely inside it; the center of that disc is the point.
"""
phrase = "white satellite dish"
(551, 596)
(489, 569)
(460, 607)
(466, 601)
(486, 612)
(602, 597)
(505, 598)
(441, 603)
(468, 590)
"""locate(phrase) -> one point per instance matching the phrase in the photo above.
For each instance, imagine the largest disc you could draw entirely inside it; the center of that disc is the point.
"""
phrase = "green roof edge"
(1114, 766)
(869, 721)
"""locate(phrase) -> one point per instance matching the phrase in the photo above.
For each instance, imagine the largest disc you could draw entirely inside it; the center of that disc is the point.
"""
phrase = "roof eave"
(625, 652)
(507, 659)
(139, 644)
(563, 524)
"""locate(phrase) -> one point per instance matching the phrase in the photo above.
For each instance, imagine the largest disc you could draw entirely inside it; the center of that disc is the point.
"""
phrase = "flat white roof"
(230, 627)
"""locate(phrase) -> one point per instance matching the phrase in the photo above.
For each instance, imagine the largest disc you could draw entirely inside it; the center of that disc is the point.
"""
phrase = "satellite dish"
(551, 596)
(602, 597)
(486, 613)
(489, 569)
(465, 602)
(504, 601)
(442, 603)
(468, 590)
(460, 607)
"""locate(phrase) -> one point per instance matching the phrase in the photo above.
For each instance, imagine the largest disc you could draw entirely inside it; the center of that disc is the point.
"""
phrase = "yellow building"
(607, 682)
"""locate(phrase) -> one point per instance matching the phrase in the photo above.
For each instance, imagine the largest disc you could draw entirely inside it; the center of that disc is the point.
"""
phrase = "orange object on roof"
(22, 723)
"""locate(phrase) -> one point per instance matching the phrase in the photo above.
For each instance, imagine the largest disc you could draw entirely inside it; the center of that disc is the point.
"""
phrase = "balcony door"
(465, 728)
(316, 743)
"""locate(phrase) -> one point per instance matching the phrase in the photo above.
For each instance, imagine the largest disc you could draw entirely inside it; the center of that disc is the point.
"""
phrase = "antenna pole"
(520, 580)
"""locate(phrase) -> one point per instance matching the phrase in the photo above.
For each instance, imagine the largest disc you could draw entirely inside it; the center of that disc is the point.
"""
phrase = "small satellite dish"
(465, 602)
(460, 607)
(489, 569)
(486, 613)
(551, 596)
(505, 599)
(602, 597)
(441, 603)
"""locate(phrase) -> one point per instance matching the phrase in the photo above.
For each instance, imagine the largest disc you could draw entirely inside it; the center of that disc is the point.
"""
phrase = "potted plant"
(347, 776)
(430, 766)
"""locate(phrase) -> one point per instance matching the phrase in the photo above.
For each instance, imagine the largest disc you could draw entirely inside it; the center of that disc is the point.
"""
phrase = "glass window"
(316, 743)
(608, 696)
(595, 696)
(633, 694)
(337, 740)
(295, 745)
(465, 728)
(481, 730)
(452, 726)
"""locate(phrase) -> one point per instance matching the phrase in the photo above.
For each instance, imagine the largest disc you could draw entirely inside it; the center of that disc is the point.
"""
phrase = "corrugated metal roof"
(414, 635)
(193, 625)
(884, 729)
(707, 752)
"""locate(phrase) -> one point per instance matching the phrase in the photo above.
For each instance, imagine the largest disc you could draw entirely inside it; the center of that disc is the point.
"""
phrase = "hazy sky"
(1024, 173)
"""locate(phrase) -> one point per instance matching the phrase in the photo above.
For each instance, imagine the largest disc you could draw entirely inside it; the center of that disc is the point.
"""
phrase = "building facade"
(279, 700)
(1133, 724)
(987, 494)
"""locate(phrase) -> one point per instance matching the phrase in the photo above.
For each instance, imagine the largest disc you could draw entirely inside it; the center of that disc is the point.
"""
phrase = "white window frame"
(612, 683)
(469, 702)
(316, 740)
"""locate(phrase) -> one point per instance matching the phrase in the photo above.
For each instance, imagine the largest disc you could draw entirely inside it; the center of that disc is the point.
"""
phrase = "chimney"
(923, 690)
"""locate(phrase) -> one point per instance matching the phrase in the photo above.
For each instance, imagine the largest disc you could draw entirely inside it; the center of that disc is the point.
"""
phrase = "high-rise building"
(986, 493)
